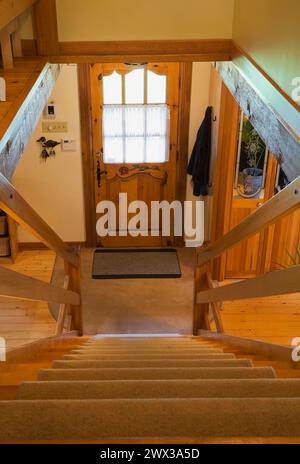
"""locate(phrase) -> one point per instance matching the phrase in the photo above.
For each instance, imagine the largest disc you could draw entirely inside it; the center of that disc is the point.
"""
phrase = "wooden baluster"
(215, 307)
(74, 284)
(63, 308)
(16, 40)
(201, 320)
(6, 49)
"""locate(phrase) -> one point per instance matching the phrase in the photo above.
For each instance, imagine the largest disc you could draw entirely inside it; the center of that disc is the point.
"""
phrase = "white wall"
(54, 188)
(199, 103)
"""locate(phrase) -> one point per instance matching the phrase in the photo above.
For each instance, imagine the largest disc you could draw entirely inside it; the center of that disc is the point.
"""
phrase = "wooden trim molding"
(33, 246)
(185, 87)
(237, 52)
(219, 47)
(84, 82)
(46, 27)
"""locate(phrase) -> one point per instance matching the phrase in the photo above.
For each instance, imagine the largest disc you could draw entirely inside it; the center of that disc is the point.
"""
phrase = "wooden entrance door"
(135, 118)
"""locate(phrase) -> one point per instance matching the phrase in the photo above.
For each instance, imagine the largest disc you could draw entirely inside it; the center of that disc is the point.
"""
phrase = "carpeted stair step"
(138, 356)
(157, 373)
(265, 388)
(120, 418)
(149, 352)
(86, 364)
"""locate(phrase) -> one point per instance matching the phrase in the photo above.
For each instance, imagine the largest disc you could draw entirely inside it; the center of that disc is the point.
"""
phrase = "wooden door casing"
(147, 182)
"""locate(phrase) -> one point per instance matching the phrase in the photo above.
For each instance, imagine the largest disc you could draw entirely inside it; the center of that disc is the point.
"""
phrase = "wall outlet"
(54, 126)
(68, 145)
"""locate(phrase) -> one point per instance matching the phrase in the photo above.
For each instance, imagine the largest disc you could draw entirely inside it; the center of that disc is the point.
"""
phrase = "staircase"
(151, 388)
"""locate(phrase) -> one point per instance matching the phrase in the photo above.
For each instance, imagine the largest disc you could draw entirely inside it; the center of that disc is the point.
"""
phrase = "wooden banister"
(18, 209)
(285, 202)
(15, 285)
(273, 283)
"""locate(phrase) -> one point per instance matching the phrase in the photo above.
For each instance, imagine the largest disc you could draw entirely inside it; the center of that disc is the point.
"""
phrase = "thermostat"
(50, 110)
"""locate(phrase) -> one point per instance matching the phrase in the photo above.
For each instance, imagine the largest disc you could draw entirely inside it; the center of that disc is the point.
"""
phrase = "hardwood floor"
(23, 321)
(274, 319)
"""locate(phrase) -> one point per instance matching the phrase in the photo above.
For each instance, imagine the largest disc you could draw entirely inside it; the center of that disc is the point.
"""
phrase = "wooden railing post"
(201, 320)
(73, 272)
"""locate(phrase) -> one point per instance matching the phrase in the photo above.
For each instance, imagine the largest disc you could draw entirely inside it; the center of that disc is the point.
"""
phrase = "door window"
(135, 117)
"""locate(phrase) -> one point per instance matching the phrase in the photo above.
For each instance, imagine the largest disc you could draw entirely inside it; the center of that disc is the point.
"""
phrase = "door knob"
(99, 174)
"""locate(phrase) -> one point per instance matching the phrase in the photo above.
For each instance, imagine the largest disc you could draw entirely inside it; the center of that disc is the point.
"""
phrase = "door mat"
(136, 263)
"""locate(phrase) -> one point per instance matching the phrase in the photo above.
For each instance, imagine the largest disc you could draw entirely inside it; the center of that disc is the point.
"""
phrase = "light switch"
(54, 126)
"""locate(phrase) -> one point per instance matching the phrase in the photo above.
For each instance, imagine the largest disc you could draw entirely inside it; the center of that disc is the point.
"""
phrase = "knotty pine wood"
(274, 319)
(21, 321)
(19, 82)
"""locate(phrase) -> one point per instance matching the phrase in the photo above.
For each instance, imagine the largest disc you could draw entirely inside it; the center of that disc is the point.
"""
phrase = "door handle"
(99, 174)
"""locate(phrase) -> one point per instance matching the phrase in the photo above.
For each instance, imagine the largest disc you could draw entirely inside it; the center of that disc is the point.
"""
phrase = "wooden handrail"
(16, 285)
(285, 202)
(18, 209)
(274, 283)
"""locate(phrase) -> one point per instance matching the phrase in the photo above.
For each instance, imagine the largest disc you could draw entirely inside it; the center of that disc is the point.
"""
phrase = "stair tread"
(226, 388)
(155, 372)
(66, 364)
(95, 419)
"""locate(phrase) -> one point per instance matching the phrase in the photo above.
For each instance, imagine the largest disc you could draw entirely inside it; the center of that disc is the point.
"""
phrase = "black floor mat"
(135, 263)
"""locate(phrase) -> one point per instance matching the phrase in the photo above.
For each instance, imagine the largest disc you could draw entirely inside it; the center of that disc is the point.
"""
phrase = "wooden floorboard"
(274, 319)
(19, 82)
(21, 321)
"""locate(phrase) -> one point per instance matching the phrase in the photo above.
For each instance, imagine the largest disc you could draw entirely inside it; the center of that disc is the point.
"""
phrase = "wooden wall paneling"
(46, 27)
(185, 87)
(85, 101)
(267, 235)
(224, 174)
(285, 202)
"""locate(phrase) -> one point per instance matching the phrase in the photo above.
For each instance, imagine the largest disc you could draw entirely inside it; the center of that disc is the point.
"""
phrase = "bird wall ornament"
(48, 147)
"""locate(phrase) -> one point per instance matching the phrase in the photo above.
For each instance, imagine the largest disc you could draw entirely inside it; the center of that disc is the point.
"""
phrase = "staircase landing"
(138, 305)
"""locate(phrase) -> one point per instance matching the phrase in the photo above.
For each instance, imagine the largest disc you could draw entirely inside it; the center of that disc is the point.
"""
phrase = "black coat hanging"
(198, 166)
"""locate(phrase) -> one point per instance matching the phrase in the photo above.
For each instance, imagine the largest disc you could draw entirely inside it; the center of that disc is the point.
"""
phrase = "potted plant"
(254, 150)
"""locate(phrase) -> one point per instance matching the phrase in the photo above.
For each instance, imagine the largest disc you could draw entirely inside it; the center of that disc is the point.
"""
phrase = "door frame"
(88, 168)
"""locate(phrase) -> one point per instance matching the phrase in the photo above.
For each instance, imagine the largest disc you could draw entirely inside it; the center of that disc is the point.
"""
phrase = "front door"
(135, 118)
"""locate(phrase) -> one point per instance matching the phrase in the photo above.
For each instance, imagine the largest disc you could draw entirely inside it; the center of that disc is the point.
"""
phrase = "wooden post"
(6, 49)
(16, 40)
(73, 272)
(201, 321)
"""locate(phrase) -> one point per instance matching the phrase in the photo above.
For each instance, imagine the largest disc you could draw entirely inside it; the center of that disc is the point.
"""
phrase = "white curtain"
(135, 133)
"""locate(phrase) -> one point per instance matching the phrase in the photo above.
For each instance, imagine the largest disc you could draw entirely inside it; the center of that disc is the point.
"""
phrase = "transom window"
(135, 117)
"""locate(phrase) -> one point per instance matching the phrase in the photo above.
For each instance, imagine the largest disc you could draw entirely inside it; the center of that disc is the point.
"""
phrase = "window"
(252, 161)
(135, 117)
